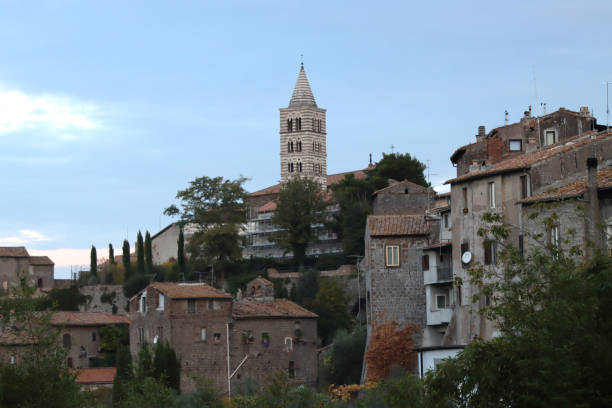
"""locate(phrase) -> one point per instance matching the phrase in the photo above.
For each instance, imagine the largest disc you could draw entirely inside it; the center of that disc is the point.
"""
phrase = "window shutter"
(425, 262)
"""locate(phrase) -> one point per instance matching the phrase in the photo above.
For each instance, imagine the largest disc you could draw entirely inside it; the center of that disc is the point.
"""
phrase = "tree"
(124, 374)
(399, 167)
(552, 311)
(68, 299)
(180, 254)
(111, 254)
(148, 254)
(140, 256)
(166, 366)
(300, 214)
(93, 262)
(389, 347)
(331, 306)
(126, 259)
(344, 361)
(215, 208)
(307, 287)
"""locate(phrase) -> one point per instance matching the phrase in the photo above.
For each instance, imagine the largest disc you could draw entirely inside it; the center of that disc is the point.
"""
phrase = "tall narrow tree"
(126, 259)
(111, 254)
(140, 254)
(93, 262)
(180, 255)
(148, 254)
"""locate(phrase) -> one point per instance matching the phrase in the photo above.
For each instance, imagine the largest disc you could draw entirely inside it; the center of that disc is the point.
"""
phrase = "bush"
(343, 363)
(134, 285)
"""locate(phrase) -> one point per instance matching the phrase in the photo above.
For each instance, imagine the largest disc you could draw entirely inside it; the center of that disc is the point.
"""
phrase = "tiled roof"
(10, 338)
(416, 186)
(99, 375)
(86, 319)
(13, 252)
(189, 291)
(302, 94)
(526, 160)
(576, 189)
(397, 224)
(40, 260)
(331, 179)
(269, 206)
(249, 309)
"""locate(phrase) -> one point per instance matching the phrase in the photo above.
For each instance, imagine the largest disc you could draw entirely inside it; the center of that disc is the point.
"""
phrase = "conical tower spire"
(302, 94)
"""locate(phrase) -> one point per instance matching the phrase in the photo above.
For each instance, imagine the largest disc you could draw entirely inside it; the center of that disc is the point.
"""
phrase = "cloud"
(60, 115)
(24, 237)
(70, 256)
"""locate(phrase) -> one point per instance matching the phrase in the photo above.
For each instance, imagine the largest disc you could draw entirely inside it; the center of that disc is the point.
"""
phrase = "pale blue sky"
(107, 108)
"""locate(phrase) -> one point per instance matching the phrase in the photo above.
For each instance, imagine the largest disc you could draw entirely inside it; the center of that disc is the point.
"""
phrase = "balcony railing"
(444, 274)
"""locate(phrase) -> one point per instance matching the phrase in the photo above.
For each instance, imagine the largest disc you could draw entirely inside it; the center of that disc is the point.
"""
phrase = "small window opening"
(191, 306)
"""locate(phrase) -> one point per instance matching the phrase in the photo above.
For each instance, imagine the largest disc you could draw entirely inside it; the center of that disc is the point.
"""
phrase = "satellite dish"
(466, 258)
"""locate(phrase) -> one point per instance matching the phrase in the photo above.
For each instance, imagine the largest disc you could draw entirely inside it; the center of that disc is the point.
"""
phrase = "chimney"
(584, 111)
(481, 133)
(595, 234)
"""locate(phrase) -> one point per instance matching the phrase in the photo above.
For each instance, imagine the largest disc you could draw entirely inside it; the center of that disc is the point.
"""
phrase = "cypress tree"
(126, 259)
(93, 263)
(148, 254)
(180, 256)
(140, 254)
(124, 374)
(111, 254)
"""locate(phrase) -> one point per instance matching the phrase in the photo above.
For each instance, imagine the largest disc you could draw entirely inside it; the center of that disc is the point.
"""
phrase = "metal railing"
(444, 274)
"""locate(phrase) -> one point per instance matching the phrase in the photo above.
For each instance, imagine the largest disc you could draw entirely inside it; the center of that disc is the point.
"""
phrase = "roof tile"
(86, 319)
(397, 224)
(249, 309)
(189, 291)
(13, 252)
(41, 260)
(99, 375)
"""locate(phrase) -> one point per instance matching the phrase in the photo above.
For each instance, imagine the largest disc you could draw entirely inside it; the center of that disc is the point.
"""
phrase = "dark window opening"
(425, 262)
(66, 341)
(40, 282)
(191, 306)
(93, 336)
(465, 199)
(291, 369)
(217, 338)
(524, 190)
(299, 123)
(289, 125)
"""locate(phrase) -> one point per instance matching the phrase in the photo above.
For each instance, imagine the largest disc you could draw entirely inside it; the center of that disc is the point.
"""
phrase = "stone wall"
(94, 302)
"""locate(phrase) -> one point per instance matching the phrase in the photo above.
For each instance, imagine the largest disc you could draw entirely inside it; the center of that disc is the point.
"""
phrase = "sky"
(108, 108)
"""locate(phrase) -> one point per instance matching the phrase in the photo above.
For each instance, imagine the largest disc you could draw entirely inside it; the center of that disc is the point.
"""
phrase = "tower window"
(299, 146)
(298, 123)
(299, 166)
(289, 125)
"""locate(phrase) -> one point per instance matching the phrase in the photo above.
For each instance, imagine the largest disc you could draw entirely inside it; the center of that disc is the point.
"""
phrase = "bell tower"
(303, 150)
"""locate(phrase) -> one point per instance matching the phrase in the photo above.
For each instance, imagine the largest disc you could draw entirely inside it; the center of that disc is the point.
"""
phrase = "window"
(288, 343)
(298, 123)
(141, 335)
(524, 190)
(40, 282)
(291, 369)
(191, 306)
(66, 341)
(161, 302)
(550, 137)
(553, 235)
(516, 145)
(440, 302)
(142, 306)
(392, 255)
(160, 332)
(446, 220)
(459, 295)
(465, 199)
(299, 167)
(490, 253)
(93, 336)
(492, 195)
(299, 146)
(289, 125)
(12, 359)
(425, 262)
(265, 339)
(217, 338)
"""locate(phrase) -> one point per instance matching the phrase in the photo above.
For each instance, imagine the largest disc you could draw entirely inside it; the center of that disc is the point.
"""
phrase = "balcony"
(444, 274)
(438, 274)
(438, 317)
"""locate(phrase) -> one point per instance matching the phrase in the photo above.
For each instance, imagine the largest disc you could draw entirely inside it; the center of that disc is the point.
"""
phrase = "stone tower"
(303, 149)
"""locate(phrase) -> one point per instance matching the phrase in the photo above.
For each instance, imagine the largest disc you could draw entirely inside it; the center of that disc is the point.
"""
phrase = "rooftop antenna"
(535, 91)
(429, 185)
(608, 106)
(392, 147)
(506, 117)
(370, 159)
(543, 106)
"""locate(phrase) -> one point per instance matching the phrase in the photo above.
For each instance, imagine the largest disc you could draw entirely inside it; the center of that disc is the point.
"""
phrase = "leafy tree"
(40, 378)
(126, 260)
(307, 287)
(113, 336)
(93, 262)
(111, 254)
(300, 212)
(343, 362)
(399, 167)
(147, 392)
(389, 347)
(216, 208)
(148, 249)
(124, 374)
(406, 390)
(134, 285)
(330, 304)
(68, 299)
(166, 366)
(205, 396)
(180, 255)
(140, 255)
(552, 310)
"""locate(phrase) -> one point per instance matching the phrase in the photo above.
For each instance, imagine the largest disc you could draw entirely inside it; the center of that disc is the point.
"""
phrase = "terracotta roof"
(439, 245)
(279, 308)
(189, 291)
(99, 375)
(576, 189)
(269, 206)
(86, 319)
(525, 161)
(331, 179)
(397, 224)
(419, 187)
(14, 252)
(40, 260)
(10, 338)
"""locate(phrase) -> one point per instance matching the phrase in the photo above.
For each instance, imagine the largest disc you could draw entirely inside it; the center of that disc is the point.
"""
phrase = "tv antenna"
(506, 117)
(607, 106)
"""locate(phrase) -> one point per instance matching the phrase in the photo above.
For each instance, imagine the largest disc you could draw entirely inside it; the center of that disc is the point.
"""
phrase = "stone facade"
(112, 294)
(403, 197)
(16, 264)
(196, 319)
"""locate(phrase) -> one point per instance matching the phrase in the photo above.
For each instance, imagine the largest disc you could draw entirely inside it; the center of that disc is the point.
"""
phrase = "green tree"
(124, 374)
(331, 306)
(93, 262)
(68, 299)
(148, 254)
(126, 259)
(344, 361)
(399, 167)
(307, 287)
(166, 366)
(111, 254)
(215, 208)
(134, 285)
(552, 311)
(140, 255)
(300, 213)
(180, 254)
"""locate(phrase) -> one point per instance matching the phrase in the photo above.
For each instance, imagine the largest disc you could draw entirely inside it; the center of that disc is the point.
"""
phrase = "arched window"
(288, 147)
(299, 167)
(66, 341)
(313, 146)
(299, 146)
(289, 167)
(289, 125)
(298, 123)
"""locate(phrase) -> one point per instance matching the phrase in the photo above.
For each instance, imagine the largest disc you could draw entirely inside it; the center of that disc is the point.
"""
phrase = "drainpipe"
(229, 378)
(595, 235)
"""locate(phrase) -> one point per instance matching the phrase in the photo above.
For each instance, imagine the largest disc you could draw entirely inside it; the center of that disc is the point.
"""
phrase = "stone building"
(203, 324)
(502, 188)
(80, 333)
(164, 244)
(17, 264)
